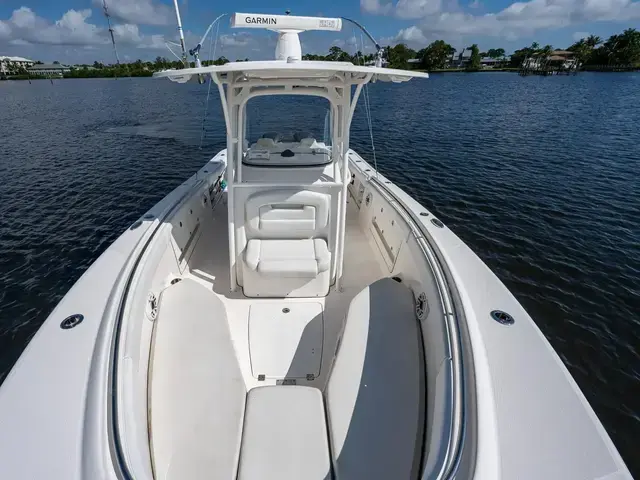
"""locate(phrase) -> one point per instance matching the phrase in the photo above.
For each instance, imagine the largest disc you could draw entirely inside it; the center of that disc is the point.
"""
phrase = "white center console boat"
(290, 313)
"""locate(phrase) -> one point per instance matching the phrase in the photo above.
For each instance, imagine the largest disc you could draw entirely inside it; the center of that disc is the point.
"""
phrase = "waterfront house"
(487, 62)
(459, 61)
(564, 60)
(414, 63)
(9, 65)
(555, 62)
(53, 69)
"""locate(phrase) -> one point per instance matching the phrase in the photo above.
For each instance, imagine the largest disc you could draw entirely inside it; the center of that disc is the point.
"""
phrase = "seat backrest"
(291, 214)
(265, 143)
(282, 213)
(376, 391)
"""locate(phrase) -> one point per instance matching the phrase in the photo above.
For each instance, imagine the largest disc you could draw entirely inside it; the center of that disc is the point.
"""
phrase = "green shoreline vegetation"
(620, 52)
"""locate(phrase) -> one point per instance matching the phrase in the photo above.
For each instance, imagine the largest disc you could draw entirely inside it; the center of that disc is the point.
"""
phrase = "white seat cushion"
(266, 142)
(376, 390)
(197, 393)
(283, 213)
(288, 258)
(285, 435)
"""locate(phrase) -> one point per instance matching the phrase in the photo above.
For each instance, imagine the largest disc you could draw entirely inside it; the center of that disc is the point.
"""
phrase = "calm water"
(540, 176)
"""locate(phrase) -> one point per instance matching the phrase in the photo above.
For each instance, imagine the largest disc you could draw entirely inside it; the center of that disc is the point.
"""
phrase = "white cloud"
(411, 36)
(127, 33)
(153, 42)
(71, 29)
(415, 38)
(5, 30)
(141, 12)
(402, 8)
(23, 17)
(417, 8)
(240, 39)
(517, 20)
(375, 7)
(24, 27)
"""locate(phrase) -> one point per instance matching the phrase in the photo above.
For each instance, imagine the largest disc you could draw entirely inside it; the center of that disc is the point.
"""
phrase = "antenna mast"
(113, 40)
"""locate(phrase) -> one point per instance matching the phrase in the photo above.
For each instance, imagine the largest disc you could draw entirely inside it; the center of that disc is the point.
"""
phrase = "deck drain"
(175, 280)
(285, 310)
(424, 214)
(437, 223)
(502, 317)
(71, 321)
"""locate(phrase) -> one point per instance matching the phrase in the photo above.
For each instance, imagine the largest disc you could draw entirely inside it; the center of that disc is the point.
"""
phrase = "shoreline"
(635, 68)
(517, 70)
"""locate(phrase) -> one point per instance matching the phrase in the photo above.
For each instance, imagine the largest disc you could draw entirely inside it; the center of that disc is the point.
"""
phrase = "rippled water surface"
(540, 176)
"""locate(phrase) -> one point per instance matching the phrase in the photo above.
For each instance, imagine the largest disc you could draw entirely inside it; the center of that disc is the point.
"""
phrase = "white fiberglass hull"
(84, 402)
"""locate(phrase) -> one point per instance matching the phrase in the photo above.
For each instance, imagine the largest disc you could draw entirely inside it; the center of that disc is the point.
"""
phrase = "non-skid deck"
(209, 265)
(205, 422)
(239, 344)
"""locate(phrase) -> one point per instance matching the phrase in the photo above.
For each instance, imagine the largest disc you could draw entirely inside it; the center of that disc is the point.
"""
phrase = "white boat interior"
(305, 297)
(282, 391)
(290, 313)
(275, 330)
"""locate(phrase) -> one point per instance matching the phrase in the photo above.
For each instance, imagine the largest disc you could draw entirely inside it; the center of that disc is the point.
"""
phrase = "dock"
(557, 62)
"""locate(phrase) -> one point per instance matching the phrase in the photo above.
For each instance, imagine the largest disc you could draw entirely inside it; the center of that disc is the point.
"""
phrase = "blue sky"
(74, 31)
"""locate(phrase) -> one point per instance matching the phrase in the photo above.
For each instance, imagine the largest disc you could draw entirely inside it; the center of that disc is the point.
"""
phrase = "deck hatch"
(285, 339)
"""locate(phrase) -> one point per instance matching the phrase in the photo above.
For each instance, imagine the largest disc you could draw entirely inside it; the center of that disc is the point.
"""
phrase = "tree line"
(97, 69)
(435, 56)
(618, 49)
(138, 68)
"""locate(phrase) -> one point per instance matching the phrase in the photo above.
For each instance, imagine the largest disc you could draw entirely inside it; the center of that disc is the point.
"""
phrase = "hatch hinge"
(152, 306)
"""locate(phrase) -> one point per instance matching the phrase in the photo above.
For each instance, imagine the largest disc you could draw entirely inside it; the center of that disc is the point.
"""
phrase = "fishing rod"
(113, 40)
(379, 49)
(195, 51)
(185, 61)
